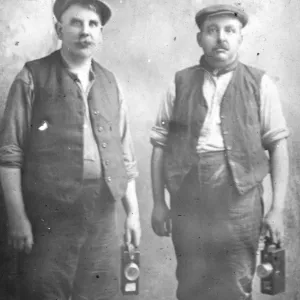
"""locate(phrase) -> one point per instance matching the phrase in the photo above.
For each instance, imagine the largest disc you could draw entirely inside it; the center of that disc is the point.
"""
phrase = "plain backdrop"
(144, 44)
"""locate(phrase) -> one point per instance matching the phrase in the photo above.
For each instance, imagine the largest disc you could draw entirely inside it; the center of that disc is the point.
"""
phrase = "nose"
(85, 28)
(221, 35)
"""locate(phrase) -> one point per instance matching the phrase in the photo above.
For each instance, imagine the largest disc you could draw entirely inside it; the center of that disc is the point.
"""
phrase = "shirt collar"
(229, 68)
(74, 76)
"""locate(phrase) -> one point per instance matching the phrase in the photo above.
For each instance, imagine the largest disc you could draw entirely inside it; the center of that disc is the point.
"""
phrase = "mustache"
(86, 40)
(221, 46)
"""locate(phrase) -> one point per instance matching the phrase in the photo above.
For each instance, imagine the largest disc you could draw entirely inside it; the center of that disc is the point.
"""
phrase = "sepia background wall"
(145, 43)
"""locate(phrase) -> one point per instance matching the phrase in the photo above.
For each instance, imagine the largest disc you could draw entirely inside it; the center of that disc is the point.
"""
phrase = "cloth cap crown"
(104, 11)
(224, 9)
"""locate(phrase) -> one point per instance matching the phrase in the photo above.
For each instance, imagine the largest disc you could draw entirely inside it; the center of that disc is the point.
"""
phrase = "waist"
(92, 169)
(217, 155)
(93, 181)
(93, 188)
(213, 160)
(210, 137)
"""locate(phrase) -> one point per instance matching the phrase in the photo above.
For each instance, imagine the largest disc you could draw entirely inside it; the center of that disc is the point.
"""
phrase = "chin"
(221, 57)
(84, 53)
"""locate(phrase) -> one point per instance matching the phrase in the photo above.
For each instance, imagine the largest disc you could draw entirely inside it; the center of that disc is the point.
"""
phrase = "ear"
(199, 39)
(58, 29)
(241, 39)
(241, 34)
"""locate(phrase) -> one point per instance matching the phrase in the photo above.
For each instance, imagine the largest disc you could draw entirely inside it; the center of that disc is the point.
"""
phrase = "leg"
(215, 234)
(98, 267)
(48, 272)
(192, 268)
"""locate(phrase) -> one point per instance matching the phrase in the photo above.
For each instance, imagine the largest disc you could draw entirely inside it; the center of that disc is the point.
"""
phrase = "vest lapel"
(100, 95)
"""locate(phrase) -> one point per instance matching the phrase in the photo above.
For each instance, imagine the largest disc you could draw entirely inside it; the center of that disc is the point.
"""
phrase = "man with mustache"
(66, 159)
(209, 141)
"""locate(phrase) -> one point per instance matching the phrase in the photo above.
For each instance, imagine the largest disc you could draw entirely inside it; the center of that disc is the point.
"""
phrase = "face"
(80, 31)
(220, 38)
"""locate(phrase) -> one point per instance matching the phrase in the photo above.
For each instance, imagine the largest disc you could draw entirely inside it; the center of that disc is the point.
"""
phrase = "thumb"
(134, 239)
(28, 243)
(168, 226)
(264, 229)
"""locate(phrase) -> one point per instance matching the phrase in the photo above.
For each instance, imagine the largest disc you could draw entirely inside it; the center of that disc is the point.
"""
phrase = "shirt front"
(273, 125)
(85, 78)
(17, 119)
(210, 138)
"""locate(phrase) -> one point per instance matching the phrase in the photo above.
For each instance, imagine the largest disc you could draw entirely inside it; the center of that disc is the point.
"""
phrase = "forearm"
(157, 175)
(12, 190)
(279, 173)
(14, 130)
(130, 201)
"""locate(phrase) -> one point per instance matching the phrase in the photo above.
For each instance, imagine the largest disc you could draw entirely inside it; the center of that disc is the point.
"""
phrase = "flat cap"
(60, 6)
(222, 9)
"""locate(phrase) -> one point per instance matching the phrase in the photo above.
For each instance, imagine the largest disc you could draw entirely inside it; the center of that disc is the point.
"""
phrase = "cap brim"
(105, 12)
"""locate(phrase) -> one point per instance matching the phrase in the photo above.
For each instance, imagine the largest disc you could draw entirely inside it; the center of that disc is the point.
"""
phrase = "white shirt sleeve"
(273, 124)
(160, 130)
(126, 137)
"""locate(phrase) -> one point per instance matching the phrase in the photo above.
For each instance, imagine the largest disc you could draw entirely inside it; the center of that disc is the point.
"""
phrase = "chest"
(62, 102)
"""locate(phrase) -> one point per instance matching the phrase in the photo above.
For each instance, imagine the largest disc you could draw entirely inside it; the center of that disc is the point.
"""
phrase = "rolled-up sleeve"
(273, 124)
(16, 120)
(126, 139)
(159, 132)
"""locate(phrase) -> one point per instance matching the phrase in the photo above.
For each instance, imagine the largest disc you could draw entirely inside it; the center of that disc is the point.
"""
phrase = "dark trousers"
(215, 233)
(75, 251)
(8, 259)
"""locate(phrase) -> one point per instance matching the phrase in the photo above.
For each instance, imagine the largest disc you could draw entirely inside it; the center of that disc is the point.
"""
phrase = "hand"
(20, 234)
(132, 230)
(161, 222)
(273, 223)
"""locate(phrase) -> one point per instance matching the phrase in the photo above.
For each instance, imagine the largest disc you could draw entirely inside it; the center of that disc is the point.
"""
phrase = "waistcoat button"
(104, 145)
(100, 128)
(108, 179)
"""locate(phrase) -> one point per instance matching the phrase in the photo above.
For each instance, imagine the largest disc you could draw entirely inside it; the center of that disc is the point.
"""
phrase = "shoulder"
(268, 88)
(185, 75)
(268, 81)
(251, 72)
(188, 70)
(260, 76)
(100, 70)
(24, 76)
(43, 60)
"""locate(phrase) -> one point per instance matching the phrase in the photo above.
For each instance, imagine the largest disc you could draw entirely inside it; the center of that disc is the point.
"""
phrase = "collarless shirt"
(273, 125)
(210, 138)
(16, 120)
(92, 162)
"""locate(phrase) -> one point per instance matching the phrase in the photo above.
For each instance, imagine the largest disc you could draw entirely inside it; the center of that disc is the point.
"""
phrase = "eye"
(212, 30)
(76, 23)
(94, 24)
(230, 30)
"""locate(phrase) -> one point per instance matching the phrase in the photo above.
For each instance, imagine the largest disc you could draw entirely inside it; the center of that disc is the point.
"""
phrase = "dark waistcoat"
(240, 127)
(53, 162)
